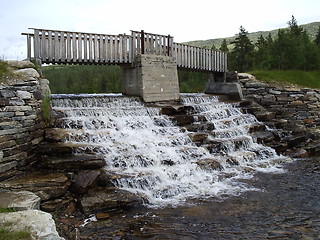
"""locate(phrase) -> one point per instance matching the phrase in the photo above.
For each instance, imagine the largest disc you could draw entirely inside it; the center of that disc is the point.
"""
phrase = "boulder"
(27, 72)
(296, 153)
(182, 120)
(73, 162)
(108, 199)
(39, 224)
(20, 64)
(19, 200)
(209, 164)
(46, 185)
(84, 180)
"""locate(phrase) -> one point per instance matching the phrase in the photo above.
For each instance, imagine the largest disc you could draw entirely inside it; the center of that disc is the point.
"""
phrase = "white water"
(154, 158)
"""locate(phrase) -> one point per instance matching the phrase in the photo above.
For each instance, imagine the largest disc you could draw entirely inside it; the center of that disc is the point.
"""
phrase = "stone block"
(24, 94)
(30, 73)
(7, 93)
(20, 64)
(231, 89)
(42, 225)
(19, 200)
(7, 166)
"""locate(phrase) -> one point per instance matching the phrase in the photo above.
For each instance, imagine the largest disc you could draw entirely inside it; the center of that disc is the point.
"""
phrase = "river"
(286, 207)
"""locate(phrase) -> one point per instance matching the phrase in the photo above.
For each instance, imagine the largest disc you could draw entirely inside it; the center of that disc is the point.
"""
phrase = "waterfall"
(152, 157)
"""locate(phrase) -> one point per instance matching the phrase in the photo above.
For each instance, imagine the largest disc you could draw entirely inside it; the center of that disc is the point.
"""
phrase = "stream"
(287, 207)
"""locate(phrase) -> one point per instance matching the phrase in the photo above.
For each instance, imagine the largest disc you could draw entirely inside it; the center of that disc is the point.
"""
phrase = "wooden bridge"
(149, 61)
(64, 47)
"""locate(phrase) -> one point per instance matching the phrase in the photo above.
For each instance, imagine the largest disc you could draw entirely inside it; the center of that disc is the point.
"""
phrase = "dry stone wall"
(300, 105)
(22, 125)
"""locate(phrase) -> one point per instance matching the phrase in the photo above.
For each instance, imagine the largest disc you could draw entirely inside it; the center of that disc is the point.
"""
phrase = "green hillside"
(311, 29)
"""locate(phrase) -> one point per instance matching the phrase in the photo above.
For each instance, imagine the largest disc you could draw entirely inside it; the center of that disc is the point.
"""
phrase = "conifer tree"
(241, 58)
(224, 46)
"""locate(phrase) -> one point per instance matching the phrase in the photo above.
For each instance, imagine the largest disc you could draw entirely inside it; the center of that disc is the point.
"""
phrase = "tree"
(241, 58)
(224, 46)
(317, 39)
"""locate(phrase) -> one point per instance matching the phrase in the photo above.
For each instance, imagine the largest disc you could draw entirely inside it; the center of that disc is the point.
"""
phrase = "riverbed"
(286, 206)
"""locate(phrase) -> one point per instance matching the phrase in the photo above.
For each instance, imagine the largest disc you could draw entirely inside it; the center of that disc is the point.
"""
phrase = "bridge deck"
(64, 47)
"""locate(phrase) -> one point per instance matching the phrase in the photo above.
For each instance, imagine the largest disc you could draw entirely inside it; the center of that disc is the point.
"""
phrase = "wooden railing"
(196, 58)
(53, 46)
(152, 43)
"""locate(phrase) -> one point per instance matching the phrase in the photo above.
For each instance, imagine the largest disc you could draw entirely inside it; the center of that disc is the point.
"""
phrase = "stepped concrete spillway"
(167, 154)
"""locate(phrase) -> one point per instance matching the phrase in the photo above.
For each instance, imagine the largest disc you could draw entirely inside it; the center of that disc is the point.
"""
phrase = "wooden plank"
(80, 40)
(90, 47)
(63, 50)
(36, 45)
(96, 48)
(68, 47)
(50, 47)
(44, 46)
(74, 47)
(85, 47)
(103, 51)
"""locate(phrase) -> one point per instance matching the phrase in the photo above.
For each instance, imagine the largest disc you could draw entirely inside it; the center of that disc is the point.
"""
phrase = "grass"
(309, 79)
(14, 235)
(3, 71)
(7, 210)
(6, 234)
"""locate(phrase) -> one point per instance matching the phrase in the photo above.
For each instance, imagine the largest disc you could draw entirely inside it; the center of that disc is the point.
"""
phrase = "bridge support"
(152, 77)
(224, 84)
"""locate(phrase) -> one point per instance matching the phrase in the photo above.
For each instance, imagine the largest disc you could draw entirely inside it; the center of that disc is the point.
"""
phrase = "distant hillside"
(312, 29)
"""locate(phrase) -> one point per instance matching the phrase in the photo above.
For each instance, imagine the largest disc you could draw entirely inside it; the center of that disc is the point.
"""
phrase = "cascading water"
(152, 157)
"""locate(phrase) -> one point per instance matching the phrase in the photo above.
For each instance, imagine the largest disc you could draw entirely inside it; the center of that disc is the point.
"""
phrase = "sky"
(185, 20)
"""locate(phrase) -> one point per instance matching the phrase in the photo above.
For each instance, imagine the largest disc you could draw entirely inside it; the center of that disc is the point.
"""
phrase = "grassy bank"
(309, 79)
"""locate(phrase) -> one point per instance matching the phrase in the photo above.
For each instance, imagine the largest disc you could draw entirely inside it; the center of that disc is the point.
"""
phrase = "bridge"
(150, 61)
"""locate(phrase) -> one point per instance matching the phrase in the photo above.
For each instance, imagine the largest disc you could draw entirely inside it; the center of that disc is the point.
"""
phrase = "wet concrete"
(287, 207)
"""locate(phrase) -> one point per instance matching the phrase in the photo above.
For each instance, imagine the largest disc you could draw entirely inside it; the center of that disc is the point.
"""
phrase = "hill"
(311, 28)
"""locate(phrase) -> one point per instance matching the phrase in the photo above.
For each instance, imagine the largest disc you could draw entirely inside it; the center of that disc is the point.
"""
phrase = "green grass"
(7, 210)
(14, 235)
(3, 71)
(309, 79)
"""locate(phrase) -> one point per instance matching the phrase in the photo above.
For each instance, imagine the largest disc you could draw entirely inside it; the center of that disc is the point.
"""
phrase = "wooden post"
(142, 42)
(168, 50)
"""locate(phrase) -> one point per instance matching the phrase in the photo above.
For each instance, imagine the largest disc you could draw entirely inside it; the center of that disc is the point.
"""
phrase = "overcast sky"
(184, 19)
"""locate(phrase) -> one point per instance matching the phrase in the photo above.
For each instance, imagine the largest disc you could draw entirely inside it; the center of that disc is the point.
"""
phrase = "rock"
(263, 136)
(233, 90)
(182, 120)
(209, 164)
(108, 199)
(296, 153)
(27, 72)
(256, 85)
(56, 205)
(196, 137)
(24, 95)
(20, 200)
(246, 75)
(57, 134)
(45, 185)
(232, 77)
(84, 180)
(20, 64)
(264, 115)
(73, 162)
(40, 224)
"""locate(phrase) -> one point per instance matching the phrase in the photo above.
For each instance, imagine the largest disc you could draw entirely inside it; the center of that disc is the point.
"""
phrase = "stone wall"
(21, 120)
(299, 105)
